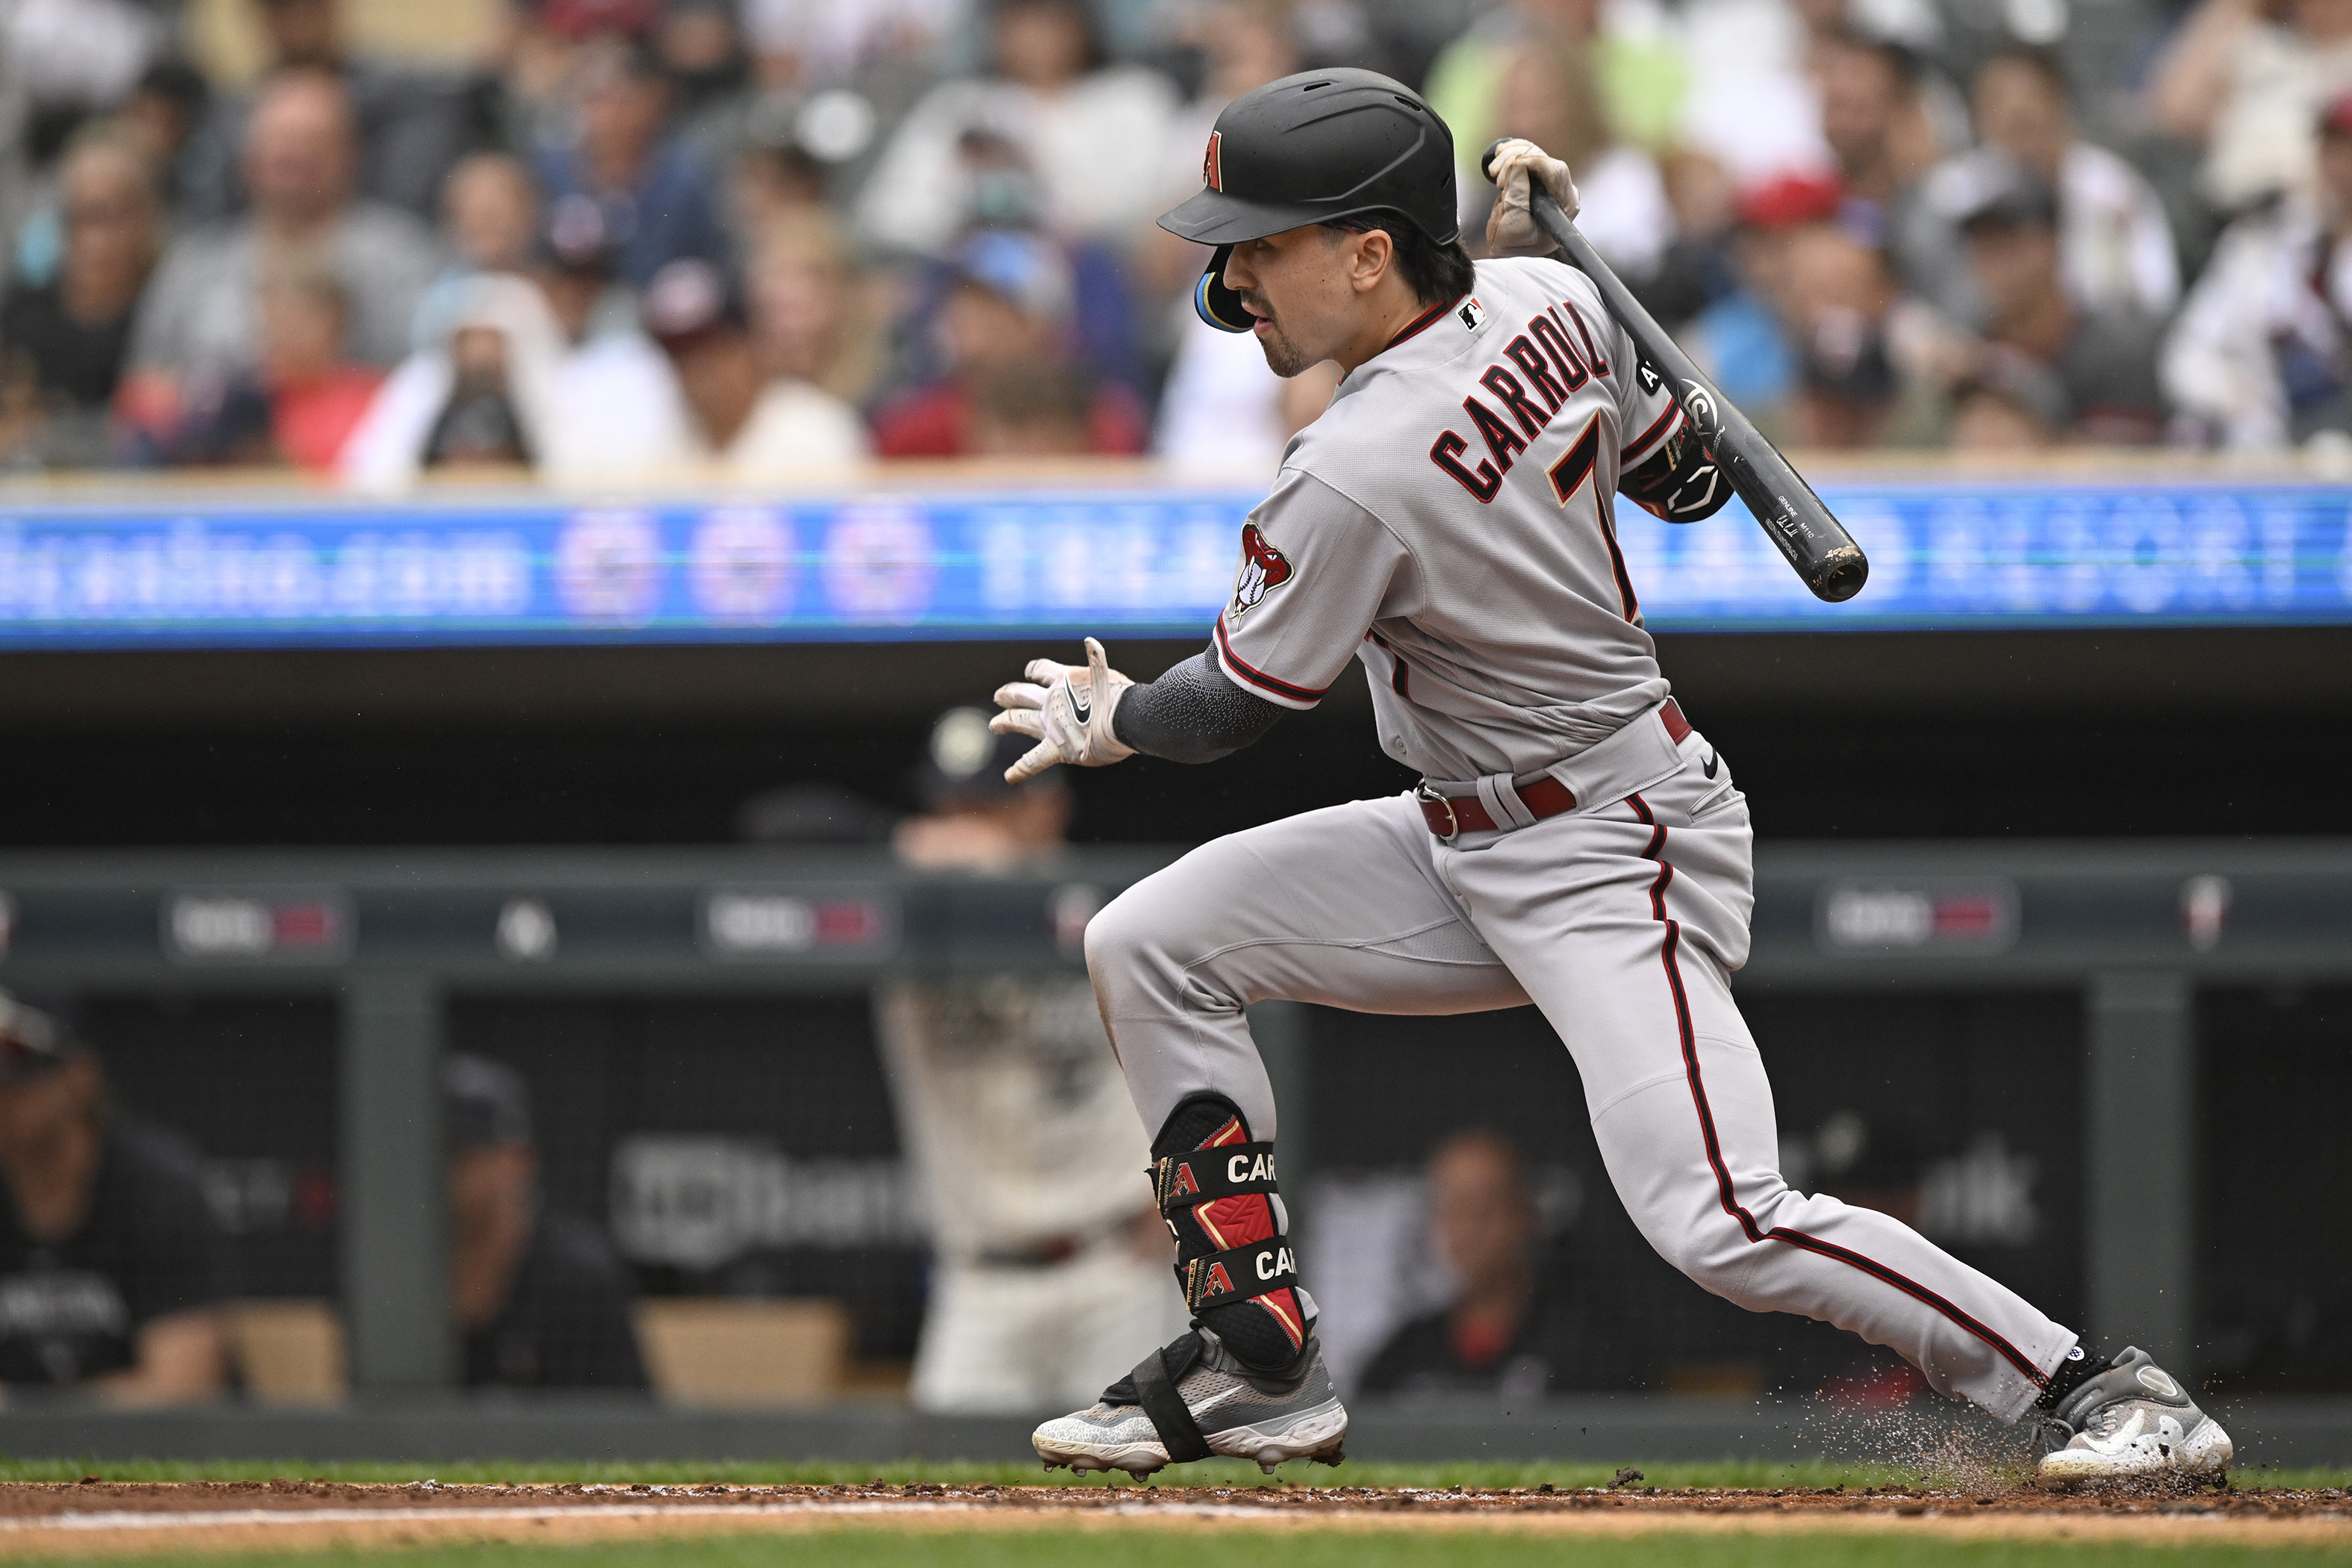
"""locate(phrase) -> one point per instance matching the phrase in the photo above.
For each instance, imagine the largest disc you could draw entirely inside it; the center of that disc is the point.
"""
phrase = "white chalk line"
(140, 1519)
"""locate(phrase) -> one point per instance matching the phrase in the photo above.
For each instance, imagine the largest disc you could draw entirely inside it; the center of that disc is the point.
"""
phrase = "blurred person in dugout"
(1051, 1269)
(1503, 1333)
(539, 1296)
(111, 1266)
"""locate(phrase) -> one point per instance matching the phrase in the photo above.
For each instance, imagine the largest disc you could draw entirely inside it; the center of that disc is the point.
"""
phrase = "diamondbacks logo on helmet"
(1212, 162)
(1264, 569)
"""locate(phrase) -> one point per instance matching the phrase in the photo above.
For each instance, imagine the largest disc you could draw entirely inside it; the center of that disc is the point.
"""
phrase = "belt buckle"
(1429, 795)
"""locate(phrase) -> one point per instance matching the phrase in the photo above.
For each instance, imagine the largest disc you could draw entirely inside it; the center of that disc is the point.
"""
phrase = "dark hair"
(178, 83)
(2043, 63)
(1089, 20)
(1901, 61)
(1438, 274)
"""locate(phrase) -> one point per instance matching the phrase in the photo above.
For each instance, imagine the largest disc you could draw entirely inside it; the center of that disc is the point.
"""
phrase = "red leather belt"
(1449, 814)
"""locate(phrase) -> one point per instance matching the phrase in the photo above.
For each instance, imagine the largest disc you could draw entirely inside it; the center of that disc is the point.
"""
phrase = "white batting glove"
(1516, 168)
(1067, 708)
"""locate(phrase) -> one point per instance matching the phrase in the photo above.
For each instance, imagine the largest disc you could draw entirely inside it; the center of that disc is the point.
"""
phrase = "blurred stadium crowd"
(761, 237)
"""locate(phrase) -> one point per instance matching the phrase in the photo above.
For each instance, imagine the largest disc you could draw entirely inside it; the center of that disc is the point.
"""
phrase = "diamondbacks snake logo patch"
(1264, 569)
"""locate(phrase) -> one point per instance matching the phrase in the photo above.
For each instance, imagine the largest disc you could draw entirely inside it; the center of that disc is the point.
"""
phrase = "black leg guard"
(1228, 1225)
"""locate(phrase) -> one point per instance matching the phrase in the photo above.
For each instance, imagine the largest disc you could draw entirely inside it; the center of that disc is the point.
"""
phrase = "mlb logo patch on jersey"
(1471, 314)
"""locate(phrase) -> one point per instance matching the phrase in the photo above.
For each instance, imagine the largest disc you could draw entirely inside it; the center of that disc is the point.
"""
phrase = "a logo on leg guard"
(1214, 1281)
(1173, 1179)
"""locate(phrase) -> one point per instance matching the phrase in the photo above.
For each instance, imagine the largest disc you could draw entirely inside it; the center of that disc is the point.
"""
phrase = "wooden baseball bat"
(1815, 544)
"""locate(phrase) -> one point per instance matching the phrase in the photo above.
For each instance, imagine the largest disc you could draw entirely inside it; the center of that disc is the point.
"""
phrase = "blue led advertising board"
(1952, 554)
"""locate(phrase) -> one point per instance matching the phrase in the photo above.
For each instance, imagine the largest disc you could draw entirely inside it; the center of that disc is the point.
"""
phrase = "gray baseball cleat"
(2133, 1421)
(1193, 1400)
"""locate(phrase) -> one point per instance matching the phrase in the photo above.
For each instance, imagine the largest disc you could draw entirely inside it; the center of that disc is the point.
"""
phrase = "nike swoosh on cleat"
(1706, 765)
(1213, 1401)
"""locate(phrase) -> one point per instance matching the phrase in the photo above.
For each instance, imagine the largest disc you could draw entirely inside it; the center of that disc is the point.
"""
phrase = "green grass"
(782, 1472)
(860, 1547)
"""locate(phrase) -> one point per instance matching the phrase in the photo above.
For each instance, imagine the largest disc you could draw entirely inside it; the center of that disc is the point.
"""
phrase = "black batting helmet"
(1317, 146)
(1312, 148)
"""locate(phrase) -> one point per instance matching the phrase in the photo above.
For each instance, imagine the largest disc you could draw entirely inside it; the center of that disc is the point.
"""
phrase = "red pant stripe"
(1667, 949)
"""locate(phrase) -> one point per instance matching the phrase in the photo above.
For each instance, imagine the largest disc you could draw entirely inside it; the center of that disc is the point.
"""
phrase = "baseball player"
(1049, 1269)
(1575, 842)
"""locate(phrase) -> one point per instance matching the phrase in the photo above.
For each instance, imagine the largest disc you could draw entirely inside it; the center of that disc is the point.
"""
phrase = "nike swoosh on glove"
(1511, 228)
(1067, 709)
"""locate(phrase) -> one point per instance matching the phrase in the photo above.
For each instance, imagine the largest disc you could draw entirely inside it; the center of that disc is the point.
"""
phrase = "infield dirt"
(112, 1519)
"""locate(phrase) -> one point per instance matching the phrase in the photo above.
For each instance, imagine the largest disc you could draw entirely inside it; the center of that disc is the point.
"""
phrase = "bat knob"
(1841, 574)
(1486, 159)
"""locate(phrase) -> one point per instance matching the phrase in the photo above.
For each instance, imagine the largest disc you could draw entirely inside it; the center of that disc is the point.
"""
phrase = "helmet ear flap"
(1218, 305)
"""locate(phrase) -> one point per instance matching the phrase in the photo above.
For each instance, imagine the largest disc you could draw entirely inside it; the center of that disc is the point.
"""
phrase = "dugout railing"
(393, 939)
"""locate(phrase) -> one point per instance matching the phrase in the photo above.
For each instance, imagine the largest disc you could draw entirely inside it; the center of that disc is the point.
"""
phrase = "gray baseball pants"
(1622, 921)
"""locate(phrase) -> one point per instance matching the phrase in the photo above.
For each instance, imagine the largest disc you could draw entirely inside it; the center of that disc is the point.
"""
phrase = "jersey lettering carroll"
(1451, 521)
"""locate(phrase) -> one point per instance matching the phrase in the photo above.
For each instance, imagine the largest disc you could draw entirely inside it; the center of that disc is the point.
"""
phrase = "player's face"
(1299, 284)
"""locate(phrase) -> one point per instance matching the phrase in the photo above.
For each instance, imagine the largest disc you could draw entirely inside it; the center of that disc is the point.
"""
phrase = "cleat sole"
(2204, 1454)
(1316, 1434)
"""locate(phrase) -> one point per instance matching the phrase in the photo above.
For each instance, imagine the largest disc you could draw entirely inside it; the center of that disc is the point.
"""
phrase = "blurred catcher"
(1575, 842)
(1049, 1272)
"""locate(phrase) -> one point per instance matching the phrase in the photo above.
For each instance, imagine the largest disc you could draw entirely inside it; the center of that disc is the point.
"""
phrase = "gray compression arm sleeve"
(1193, 714)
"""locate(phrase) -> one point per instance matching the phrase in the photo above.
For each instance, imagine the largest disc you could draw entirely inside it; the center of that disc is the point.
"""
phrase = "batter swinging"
(1576, 842)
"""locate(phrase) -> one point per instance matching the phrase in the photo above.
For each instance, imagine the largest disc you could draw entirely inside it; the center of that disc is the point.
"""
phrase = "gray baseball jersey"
(1450, 520)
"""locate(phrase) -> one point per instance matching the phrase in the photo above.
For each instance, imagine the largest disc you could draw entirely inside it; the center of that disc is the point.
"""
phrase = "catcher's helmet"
(1317, 146)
